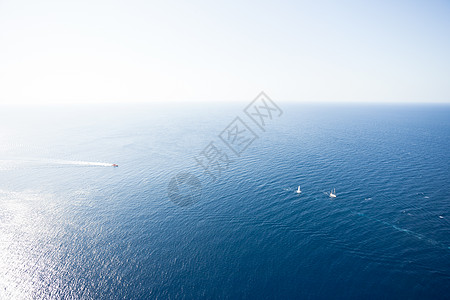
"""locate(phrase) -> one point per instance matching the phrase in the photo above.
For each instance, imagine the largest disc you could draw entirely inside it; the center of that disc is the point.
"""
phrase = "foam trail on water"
(407, 231)
(80, 163)
(45, 161)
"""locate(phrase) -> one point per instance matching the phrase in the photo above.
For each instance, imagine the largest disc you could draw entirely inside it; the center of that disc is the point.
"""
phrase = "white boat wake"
(55, 162)
(80, 163)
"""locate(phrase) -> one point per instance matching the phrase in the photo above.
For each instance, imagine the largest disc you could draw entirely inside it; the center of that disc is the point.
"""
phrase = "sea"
(203, 203)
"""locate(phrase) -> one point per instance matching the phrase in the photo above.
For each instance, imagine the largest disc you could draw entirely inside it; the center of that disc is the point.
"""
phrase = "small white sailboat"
(333, 193)
(298, 191)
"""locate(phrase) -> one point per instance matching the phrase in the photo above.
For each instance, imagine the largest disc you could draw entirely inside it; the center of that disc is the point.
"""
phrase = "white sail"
(333, 193)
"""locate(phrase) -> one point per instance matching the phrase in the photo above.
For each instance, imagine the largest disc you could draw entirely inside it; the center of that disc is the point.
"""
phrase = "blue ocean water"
(72, 226)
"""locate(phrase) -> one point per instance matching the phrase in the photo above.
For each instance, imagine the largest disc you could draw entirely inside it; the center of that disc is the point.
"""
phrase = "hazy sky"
(81, 51)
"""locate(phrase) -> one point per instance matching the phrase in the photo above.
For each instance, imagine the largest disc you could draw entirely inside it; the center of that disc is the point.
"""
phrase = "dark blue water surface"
(72, 226)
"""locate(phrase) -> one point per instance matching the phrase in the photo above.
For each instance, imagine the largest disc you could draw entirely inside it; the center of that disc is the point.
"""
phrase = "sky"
(146, 51)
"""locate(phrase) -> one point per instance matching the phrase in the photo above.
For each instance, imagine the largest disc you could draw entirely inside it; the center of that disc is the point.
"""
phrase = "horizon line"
(141, 102)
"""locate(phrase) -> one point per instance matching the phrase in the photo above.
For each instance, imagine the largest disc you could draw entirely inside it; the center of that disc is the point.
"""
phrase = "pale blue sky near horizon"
(144, 51)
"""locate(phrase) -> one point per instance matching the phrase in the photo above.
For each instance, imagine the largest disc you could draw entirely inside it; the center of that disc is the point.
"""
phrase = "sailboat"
(333, 193)
(298, 191)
